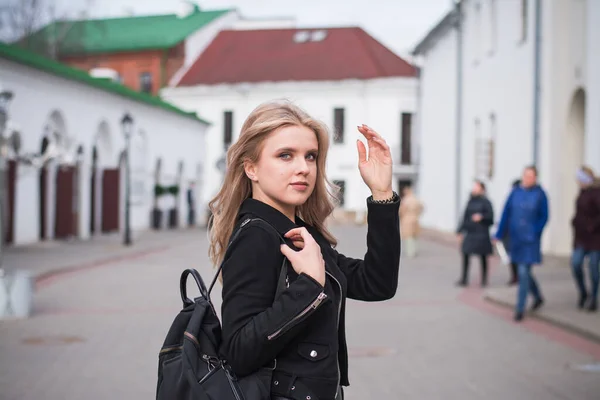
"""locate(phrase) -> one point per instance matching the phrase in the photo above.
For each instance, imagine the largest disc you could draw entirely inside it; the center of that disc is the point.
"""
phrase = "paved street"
(96, 333)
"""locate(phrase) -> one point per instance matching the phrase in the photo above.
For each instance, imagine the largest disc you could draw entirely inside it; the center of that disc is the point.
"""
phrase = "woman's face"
(284, 176)
(476, 190)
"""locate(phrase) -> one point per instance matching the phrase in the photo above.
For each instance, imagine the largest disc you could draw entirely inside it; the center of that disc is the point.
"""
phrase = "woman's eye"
(311, 157)
(285, 156)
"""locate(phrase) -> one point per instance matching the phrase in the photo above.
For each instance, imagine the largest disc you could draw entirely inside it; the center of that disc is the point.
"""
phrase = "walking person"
(277, 173)
(586, 229)
(514, 277)
(411, 209)
(474, 232)
(524, 217)
(191, 202)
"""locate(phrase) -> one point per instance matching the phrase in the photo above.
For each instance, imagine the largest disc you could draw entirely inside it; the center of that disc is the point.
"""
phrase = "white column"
(83, 197)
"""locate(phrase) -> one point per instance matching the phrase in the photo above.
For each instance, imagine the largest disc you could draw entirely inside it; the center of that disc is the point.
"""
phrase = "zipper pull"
(319, 300)
(228, 372)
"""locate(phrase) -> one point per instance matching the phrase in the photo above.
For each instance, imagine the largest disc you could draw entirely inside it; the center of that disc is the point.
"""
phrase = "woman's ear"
(250, 170)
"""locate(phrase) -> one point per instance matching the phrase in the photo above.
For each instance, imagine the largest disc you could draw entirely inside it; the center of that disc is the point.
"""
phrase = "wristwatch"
(392, 199)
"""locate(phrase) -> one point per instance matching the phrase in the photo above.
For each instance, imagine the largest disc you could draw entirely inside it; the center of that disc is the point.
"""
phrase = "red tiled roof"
(274, 55)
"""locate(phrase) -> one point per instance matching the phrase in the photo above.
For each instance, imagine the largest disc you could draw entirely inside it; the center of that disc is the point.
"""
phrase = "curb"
(553, 321)
(46, 278)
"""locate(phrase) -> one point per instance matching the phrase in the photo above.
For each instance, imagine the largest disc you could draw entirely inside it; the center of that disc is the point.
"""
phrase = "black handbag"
(189, 364)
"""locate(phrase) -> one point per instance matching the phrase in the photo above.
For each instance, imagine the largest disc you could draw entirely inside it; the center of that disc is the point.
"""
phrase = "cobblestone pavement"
(96, 333)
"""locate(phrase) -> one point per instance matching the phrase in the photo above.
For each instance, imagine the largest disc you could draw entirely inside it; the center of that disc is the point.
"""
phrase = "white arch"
(56, 124)
(572, 157)
(105, 146)
(56, 133)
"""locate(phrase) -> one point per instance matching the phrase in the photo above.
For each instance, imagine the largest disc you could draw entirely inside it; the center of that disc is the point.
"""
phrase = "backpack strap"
(283, 276)
(183, 286)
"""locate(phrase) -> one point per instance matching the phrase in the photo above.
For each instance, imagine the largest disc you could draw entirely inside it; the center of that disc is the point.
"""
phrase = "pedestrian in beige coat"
(411, 209)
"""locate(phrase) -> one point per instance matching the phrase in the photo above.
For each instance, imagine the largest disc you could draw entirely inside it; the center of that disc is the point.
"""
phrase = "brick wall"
(161, 64)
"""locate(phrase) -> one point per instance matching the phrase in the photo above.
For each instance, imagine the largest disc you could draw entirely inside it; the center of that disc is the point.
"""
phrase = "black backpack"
(189, 365)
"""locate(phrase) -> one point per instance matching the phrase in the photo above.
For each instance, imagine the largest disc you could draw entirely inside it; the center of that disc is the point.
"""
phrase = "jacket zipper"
(210, 373)
(339, 374)
(234, 387)
(312, 306)
(245, 222)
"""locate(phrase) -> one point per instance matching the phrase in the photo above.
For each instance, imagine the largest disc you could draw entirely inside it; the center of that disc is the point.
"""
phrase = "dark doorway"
(65, 188)
(405, 139)
(110, 200)
(93, 191)
(11, 180)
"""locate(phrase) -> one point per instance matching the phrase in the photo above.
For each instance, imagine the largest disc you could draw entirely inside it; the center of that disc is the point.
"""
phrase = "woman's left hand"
(376, 171)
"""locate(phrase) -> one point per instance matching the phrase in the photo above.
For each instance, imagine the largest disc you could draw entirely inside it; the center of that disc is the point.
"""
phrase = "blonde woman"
(410, 212)
(276, 172)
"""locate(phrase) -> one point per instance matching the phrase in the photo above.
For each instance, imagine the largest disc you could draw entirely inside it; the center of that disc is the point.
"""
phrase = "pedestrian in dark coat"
(475, 232)
(524, 216)
(586, 243)
(277, 173)
(514, 277)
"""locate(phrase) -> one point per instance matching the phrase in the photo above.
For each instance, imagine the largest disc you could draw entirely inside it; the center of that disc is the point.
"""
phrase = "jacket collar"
(271, 215)
(531, 188)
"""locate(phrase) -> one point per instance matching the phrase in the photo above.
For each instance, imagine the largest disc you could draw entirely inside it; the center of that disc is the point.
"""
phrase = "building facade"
(74, 133)
(506, 84)
(341, 76)
(128, 49)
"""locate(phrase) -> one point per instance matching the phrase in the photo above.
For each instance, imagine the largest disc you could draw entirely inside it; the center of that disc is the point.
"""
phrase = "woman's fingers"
(300, 235)
(382, 143)
(293, 232)
(368, 132)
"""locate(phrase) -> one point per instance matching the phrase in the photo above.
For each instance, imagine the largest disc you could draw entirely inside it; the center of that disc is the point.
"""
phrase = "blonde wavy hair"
(237, 187)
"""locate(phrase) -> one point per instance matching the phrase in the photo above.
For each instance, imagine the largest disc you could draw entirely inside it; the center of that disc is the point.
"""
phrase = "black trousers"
(484, 268)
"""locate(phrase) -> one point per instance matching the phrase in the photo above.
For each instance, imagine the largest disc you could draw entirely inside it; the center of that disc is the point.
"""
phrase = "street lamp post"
(127, 124)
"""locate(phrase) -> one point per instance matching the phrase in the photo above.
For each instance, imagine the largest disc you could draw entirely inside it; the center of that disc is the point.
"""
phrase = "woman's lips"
(301, 186)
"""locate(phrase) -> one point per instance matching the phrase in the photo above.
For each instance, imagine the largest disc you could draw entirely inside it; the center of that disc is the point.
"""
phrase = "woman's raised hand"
(376, 171)
(308, 260)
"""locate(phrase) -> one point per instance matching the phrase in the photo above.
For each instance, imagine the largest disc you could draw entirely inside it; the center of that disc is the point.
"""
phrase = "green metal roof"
(36, 61)
(121, 34)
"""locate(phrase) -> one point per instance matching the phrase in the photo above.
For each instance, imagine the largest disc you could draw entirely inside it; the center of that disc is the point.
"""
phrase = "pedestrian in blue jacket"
(524, 217)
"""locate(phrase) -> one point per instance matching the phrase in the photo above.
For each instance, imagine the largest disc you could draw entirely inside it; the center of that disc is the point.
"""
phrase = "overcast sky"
(398, 24)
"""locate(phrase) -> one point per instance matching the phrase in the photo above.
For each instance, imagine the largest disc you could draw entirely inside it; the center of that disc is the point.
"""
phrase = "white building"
(341, 76)
(508, 84)
(60, 110)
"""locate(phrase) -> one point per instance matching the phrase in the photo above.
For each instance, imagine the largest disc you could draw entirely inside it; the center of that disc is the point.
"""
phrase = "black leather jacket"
(303, 328)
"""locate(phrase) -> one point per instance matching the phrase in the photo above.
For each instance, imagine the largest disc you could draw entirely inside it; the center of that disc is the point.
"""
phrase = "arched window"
(485, 148)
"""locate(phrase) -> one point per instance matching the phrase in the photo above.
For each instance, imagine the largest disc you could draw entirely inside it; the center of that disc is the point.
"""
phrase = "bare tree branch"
(22, 20)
